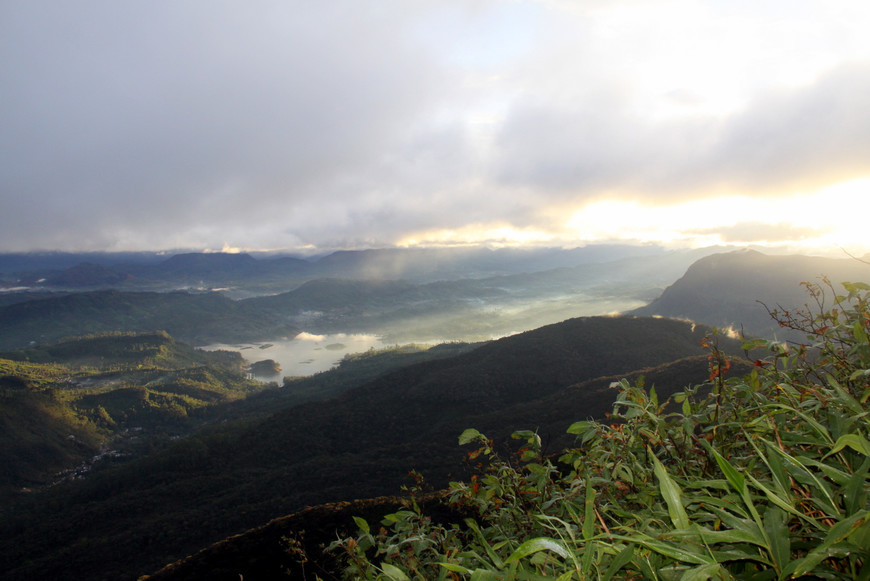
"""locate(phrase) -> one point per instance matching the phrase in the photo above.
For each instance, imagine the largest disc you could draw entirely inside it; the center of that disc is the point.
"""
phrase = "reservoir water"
(306, 354)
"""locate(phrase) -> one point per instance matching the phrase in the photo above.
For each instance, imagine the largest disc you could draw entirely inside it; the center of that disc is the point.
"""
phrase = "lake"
(306, 354)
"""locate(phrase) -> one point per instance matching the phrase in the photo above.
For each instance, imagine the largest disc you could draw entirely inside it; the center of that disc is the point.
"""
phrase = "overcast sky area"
(303, 126)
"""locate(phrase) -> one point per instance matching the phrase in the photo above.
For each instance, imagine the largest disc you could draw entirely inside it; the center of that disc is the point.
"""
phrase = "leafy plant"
(765, 476)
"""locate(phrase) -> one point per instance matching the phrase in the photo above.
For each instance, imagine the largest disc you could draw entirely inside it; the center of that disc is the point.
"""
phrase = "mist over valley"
(451, 291)
(145, 405)
(400, 295)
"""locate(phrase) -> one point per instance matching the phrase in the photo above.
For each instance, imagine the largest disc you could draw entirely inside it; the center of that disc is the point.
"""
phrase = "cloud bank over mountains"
(290, 125)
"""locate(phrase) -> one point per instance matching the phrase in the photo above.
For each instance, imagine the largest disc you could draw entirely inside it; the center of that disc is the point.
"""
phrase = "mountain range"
(356, 431)
(401, 310)
(739, 289)
(247, 274)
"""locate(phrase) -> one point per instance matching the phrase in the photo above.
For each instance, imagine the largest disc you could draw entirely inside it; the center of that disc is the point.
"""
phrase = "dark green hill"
(550, 415)
(61, 403)
(732, 289)
(261, 552)
(197, 318)
(40, 435)
(352, 371)
(132, 519)
(88, 274)
(156, 349)
(11, 298)
(343, 294)
(212, 267)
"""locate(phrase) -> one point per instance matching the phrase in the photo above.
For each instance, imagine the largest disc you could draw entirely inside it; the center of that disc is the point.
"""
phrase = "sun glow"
(832, 217)
(825, 221)
(477, 234)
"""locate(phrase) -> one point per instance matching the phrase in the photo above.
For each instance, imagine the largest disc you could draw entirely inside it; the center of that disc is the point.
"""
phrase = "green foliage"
(24, 374)
(765, 476)
(60, 403)
(266, 367)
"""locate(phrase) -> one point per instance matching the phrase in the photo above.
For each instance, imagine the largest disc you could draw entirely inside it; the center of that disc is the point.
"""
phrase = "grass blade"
(672, 494)
(539, 544)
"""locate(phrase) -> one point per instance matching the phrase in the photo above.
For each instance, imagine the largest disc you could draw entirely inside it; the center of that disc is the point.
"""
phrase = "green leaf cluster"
(765, 476)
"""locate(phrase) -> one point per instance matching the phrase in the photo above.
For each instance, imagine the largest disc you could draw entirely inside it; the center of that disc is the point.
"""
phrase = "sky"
(309, 126)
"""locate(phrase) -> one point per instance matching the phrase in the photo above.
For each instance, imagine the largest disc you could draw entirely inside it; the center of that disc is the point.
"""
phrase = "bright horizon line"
(825, 221)
(778, 249)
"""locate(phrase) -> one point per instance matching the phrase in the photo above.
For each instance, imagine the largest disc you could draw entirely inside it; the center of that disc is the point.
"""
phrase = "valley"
(467, 290)
(434, 296)
(305, 354)
(164, 445)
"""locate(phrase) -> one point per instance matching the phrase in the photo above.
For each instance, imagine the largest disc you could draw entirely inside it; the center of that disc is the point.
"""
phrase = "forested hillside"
(738, 289)
(71, 401)
(197, 318)
(764, 476)
(758, 475)
(361, 443)
(173, 449)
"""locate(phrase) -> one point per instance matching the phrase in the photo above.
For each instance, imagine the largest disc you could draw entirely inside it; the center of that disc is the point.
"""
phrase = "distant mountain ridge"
(57, 271)
(88, 274)
(21, 262)
(724, 290)
(198, 318)
(474, 308)
(732, 289)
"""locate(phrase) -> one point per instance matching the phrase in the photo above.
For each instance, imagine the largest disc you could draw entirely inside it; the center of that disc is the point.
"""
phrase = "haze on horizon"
(360, 123)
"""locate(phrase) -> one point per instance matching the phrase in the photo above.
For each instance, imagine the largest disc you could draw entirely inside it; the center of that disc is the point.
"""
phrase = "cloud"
(160, 125)
(805, 137)
(178, 116)
(780, 142)
(757, 232)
